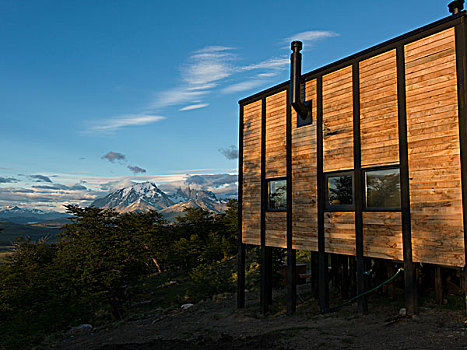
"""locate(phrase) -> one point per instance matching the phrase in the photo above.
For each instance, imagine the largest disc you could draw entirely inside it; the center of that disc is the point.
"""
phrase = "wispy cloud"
(195, 106)
(202, 72)
(209, 69)
(113, 124)
(179, 96)
(243, 86)
(272, 63)
(311, 36)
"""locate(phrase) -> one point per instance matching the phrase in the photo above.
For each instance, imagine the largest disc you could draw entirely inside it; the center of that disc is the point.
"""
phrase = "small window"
(382, 189)
(340, 191)
(277, 195)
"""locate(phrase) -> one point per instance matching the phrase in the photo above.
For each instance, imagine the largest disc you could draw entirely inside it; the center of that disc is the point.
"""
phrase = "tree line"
(104, 260)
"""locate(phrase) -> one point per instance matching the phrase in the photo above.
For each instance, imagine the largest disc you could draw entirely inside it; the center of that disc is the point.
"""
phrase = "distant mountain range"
(209, 192)
(29, 215)
(145, 196)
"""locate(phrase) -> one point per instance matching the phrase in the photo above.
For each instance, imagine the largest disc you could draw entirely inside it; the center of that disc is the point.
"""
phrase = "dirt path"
(218, 325)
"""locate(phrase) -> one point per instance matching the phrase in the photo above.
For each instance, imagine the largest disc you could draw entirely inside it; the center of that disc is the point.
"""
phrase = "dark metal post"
(314, 274)
(461, 52)
(291, 254)
(345, 277)
(266, 258)
(409, 267)
(358, 183)
(241, 246)
(323, 287)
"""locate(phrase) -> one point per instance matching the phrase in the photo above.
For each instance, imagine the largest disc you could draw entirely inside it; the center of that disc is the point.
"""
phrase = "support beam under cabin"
(241, 246)
(409, 267)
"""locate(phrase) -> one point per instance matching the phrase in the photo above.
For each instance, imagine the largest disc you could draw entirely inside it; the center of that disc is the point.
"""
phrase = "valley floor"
(219, 325)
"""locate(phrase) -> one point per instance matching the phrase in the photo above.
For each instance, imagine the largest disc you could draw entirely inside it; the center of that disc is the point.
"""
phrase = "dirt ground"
(219, 325)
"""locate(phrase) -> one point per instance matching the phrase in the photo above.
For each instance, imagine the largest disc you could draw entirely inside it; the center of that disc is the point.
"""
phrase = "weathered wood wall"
(379, 135)
(379, 131)
(434, 150)
(276, 229)
(338, 153)
(304, 189)
(382, 235)
(339, 232)
(338, 120)
(276, 118)
(251, 204)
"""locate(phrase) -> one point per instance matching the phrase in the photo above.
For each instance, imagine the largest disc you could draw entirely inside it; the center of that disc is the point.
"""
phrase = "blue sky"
(95, 94)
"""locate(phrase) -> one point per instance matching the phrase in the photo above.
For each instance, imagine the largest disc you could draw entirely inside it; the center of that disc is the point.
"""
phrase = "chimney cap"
(296, 44)
(456, 6)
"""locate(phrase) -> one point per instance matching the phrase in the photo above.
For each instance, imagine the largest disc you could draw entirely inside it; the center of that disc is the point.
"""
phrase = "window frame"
(268, 181)
(338, 207)
(364, 188)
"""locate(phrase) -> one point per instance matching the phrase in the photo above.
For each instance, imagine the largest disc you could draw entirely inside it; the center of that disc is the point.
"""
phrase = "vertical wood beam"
(438, 285)
(323, 285)
(291, 254)
(314, 274)
(266, 260)
(345, 277)
(409, 267)
(461, 65)
(358, 185)
(241, 246)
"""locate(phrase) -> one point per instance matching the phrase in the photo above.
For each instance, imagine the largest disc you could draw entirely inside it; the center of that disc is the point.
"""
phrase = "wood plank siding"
(434, 150)
(339, 232)
(276, 117)
(379, 132)
(304, 189)
(382, 235)
(425, 64)
(251, 206)
(338, 120)
(276, 229)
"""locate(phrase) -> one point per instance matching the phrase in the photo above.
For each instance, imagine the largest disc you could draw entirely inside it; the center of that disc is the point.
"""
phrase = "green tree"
(102, 253)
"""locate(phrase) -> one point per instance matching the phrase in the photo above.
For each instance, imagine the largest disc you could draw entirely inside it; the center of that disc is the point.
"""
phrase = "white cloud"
(109, 125)
(196, 106)
(212, 66)
(267, 75)
(311, 35)
(272, 63)
(176, 96)
(209, 49)
(243, 86)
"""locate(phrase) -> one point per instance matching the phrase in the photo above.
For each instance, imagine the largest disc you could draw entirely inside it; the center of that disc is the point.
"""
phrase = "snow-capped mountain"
(146, 195)
(28, 215)
(139, 197)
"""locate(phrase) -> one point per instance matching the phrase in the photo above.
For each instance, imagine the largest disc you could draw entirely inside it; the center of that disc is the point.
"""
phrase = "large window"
(339, 191)
(277, 195)
(382, 189)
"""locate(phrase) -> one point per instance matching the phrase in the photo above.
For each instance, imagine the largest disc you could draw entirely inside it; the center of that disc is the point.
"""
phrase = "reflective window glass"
(277, 195)
(340, 190)
(382, 189)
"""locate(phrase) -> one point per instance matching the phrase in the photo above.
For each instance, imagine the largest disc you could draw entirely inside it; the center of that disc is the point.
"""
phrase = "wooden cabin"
(378, 170)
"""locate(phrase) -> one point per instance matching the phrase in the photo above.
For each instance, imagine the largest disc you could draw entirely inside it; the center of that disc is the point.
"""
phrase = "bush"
(210, 279)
